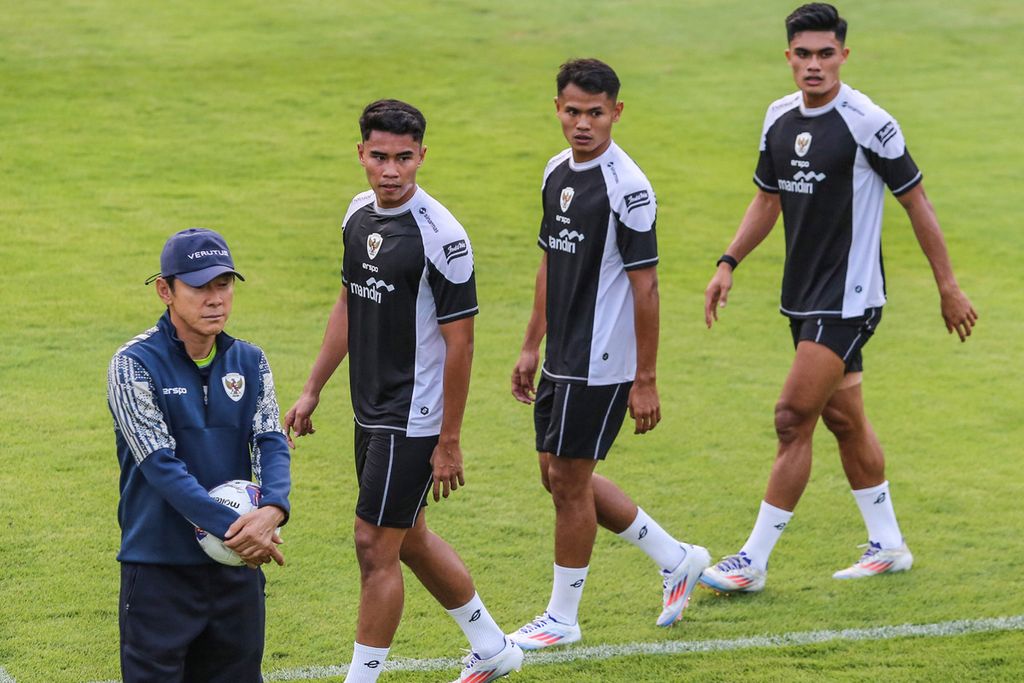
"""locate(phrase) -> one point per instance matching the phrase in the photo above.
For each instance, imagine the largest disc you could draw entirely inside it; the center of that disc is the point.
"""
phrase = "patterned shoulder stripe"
(143, 336)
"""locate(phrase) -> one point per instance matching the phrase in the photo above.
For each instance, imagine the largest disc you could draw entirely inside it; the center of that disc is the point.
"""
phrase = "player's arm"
(529, 357)
(644, 405)
(758, 221)
(254, 535)
(458, 362)
(332, 351)
(131, 395)
(957, 311)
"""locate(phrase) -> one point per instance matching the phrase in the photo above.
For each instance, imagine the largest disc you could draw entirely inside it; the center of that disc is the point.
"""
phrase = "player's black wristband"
(728, 259)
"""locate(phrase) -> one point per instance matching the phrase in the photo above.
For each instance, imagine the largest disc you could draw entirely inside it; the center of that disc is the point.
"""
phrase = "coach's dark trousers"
(191, 624)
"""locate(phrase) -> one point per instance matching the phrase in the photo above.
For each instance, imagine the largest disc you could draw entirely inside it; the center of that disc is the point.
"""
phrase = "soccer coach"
(194, 407)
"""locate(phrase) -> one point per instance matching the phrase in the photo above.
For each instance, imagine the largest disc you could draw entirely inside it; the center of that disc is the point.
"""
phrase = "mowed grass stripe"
(599, 652)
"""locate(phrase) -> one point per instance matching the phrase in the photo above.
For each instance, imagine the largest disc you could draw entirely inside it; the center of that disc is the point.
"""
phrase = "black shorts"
(578, 421)
(844, 336)
(394, 475)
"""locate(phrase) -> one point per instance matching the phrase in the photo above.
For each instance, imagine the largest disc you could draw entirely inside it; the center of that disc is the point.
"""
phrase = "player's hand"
(447, 463)
(300, 416)
(717, 294)
(522, 377)
(958, 313)
(254, 536)
(644, 406)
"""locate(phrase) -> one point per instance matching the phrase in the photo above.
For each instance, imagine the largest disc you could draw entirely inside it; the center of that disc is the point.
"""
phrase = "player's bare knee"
(370, 552)
(839, 423)
(566, 490)
(790, 422)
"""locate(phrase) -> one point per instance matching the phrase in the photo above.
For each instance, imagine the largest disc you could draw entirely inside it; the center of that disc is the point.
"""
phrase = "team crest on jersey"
(803, 144)
(234, 385)
(373, 243)
(566, 198)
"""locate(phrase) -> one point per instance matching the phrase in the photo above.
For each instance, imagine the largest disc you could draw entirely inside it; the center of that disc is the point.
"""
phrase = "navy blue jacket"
(177, 438)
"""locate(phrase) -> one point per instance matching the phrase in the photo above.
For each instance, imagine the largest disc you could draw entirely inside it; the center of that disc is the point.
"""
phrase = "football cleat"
(544, 632)
(734, 574)
(680, 582)
(477, 670)
(877, 561)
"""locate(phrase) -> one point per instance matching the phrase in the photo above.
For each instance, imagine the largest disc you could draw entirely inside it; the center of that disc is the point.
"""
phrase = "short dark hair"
(392, 116)
(590, 75)
(816, 16)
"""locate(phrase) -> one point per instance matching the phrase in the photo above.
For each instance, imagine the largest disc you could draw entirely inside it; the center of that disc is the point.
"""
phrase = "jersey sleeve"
(542, 236)
(636, 212)
(545, 226)
(886, 152)
(451, 277)
(764, 174)
(359, 201)
(270, 455)
(131, 396)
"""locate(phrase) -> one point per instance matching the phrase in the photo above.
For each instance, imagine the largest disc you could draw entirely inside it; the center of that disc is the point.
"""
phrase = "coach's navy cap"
(196, 256)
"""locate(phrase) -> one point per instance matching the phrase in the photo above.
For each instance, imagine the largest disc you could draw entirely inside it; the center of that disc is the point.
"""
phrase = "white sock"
(367, 663)
(648, 535)
(566, 593)
(485, 638)
(875, 506)
(771, 521)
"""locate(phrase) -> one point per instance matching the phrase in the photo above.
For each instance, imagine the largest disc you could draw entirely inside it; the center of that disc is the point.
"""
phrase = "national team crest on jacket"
(373, 242)
(234, 385)
(566, 198)
(803, 144)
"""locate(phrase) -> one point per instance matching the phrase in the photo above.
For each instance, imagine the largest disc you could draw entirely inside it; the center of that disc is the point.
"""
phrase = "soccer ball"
(242, 497)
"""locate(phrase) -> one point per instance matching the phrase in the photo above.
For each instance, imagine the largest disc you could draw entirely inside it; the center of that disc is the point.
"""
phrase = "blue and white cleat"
(680, 582)
(544, 632)
(734, 574)
(877, 560)
(477, 670)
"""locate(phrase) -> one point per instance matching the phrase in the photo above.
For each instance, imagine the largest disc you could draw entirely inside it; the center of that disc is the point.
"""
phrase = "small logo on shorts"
(424, 410)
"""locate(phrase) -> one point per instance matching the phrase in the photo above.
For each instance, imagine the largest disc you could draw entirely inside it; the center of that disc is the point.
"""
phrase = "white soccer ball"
(242, 497)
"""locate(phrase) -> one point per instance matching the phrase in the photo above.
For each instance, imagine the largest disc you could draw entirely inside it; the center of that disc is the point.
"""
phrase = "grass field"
(126, 121)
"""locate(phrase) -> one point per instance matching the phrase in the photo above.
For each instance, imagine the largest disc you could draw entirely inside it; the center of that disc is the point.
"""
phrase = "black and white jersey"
(408, 270)
(830, 166)
(598, 223)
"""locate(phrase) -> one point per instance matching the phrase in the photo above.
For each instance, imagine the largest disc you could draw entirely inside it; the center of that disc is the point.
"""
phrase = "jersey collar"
(401, 208)
(826, 108)
(595, 162)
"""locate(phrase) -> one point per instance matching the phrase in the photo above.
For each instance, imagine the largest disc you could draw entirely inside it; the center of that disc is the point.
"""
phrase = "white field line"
(573, 654)
(6, 677)
(670, 647)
